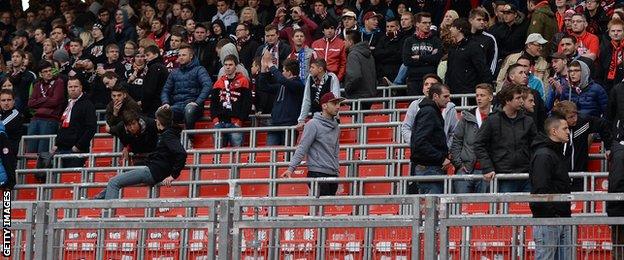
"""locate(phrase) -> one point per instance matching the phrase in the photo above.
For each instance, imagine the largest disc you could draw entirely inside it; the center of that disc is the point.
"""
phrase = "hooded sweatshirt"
(230, 49)
(589, 96)
(320, 142)
(549, 175)
(361, 78)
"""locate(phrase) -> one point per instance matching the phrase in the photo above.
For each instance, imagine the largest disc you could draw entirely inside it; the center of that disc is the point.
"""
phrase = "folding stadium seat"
(298, 243)
(121, 243)
(475, 208)
(490, 242)
(348, 135)
(138, 192)
(602, 184)
(293, 190)
(377, 188)
(347, 119)
(261, 139)
(344, 243)
(213, 190)
(380, 134)
(529, 243)
(376, 154)
(254, 243)
(79, 244)
(163, 244)
(376, 118)
(401, 105)
(103, 145)
(23, 195)
(392, 243)
(596, 164)
(454, 243)
(521, 208)
(172, 192)
(203, 141)
(198, 240)
(594, 241)
(377, 106)
(255, 190)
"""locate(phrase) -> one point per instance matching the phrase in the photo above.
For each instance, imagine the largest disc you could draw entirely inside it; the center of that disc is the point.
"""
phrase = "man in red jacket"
(332, 49)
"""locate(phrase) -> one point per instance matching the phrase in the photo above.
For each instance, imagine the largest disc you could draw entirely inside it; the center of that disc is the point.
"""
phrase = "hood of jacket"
(362, 48)
(584, 75)
(542, 140)
(545, 10)
(228, 49)
(325, 122)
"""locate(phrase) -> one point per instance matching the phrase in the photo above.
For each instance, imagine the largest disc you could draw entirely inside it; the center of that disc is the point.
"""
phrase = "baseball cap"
(98, 25)
(20, 33)
(329, 97)
(535, 37)
(371, 14)
(349, 14)
(509, 8)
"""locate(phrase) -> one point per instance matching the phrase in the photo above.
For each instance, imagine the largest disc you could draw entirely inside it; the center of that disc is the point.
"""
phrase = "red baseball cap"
(371, 14)
(329, 97)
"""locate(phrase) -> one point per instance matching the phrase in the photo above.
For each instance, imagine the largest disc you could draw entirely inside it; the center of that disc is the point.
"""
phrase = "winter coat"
(549, 175)
(586, 125)
(428, 141)
(22, 82)
(543, 21)
(231, 98)
(510, 39)
(229, 18)
(189, 83)
(503, 143)
(247, 53)
(13, 122)
(289, 93)
(467, 67)
(387, 58)
(449, 113)
(488, 43)
(616, 171)
(169, 157)
(334, 53)
(206, 54)
(155, 78)
(592, 99)
(429, 50)
(48, 99)
(361, 78)
(81, 129)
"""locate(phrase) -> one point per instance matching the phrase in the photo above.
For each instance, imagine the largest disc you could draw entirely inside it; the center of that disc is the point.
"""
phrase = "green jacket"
(543, 21)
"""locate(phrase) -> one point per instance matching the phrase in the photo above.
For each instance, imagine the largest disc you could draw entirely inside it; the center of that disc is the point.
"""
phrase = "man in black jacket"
(138, 135)
(421, 53)
(162, 165)
(279, 50)
(478, 22)
(204, 50)
(78, 125)
(154, 81)
(387, 58)
(466, 65)
(510, 32)
(549, 175)
(616, 185)
(502, 144)
(429, 150)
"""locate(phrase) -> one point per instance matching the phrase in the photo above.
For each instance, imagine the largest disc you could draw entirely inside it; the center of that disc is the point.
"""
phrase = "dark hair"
(164, 116)
(432, 75)
(511, 68)
(185, 45)
(321, 63)
(201, 25)
(462, 25)
(479, 11)
(44, 64)
(112, 46)
(7, 92)
(152, 49)
(569, 36)
(575, 63)
(187, 6)
(76, 39)
(354, 36)
(103, 10)
(436, 89)
(231, 57)
(485, 86)
(222, 43)
(298, 30)
(270, 27)
(328, 23)
(551, 122)
(130, 116)
(119, 88)
(507, 93)
(418, 16)
(110, 75)
(292, 66)
(393, 20)
(74, 78)
(63, 29)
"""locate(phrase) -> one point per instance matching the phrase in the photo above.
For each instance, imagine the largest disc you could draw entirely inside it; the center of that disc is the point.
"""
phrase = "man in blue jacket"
(186, 88)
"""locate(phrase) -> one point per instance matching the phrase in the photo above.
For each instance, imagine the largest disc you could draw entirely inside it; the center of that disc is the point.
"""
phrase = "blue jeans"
(70, 162)
(435, 187)
(470, 185)
(231, 139)
(514, 186)
(41, 127)
(189, 115)
(276, 138)
(137, 176)
(400, 78)
(553, 242)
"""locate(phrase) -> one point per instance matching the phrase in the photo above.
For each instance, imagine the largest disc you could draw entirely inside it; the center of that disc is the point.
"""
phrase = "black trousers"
(325, 188)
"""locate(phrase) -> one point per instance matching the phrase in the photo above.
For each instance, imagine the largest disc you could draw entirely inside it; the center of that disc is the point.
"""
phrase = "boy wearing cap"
(320, 142)
(96, 50)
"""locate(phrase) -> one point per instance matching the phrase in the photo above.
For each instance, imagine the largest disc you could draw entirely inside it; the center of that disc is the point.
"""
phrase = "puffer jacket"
(189, 83)
(361, 78)
(592, 98)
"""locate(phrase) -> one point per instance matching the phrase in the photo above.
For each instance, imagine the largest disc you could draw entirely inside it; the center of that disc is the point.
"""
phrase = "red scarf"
(421, 35)
(616, 58)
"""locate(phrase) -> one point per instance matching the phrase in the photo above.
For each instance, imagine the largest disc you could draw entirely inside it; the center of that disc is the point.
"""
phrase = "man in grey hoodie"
(320, 142)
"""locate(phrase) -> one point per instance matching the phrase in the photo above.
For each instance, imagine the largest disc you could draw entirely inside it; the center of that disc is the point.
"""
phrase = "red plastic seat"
(202, 141)
(121, 243)
(198, 244)
(596, 164)
(216, 190)
(293, 190)
(380, 135)
(141, 192)
(172, 192)
(163, 244)
(488, 242)
(344, 243)
(475, 208)
(298, 243)
(347, 119)
(378, 188)
(79, 244)
(348, 136)
(372, 118)
(251, 237)
(392, 243)
(595, 242)
(255, 190)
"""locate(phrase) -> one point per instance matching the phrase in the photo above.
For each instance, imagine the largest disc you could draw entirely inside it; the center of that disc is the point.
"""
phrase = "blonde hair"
(86, 38)
(453, 14)
(254, 14)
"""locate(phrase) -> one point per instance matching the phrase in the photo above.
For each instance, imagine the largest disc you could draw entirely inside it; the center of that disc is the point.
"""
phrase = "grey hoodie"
(230, 49)
(450, 121)
(320, 144)
(360, 78)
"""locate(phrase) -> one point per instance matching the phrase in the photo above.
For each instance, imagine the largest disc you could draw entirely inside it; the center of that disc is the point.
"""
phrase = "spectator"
(113, 63)
(466, 61)
(249, 17)
(225, 48)
(533, 45)
(533, 82)
(97, 49)
(303, 54)
(581, 128)
(231, 101)
(289, 90)
(245, 45)
(568, 45)
(566, 30)
(506, 132)
(612, 49)
(123, 30)
(299, 21)
(588, 43)
(510, 32)
(22, 79)
(322, 14)
(47, 100)
(317, 84)
(78, 125)
(186, 89)
(320, 144)
(478, 22)
(159, 34)
(120, 102)
(549, 175)
(348, 23)
(360, 77)
(597, 19)
(12, 120)
(543, 21)
(161, 166)
(332, 49)
(136, 75)
(39, 36)
(448, 113)
(590, 98)
(59, 36)
(387, 58)
(370, 32)
(225, 14)
(616, 185)
(421, 53)
(428, 144)
(204, 50)
(462, 151)
(279, 50)
(559, 65)
(445, 29)
(138, 135)
(407, 25)
(170, 57)
(534, 107)
(155, 79)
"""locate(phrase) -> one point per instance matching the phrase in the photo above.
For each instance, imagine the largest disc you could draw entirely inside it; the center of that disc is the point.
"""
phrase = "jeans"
(436, 187)
(41, 127)
(189, 115)
(470, 185)
(231, 138)
(276, 138)
(137, 176)
(553, 242)
(400, 78)
(70, 162)
(514, 186)
(325, 188)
